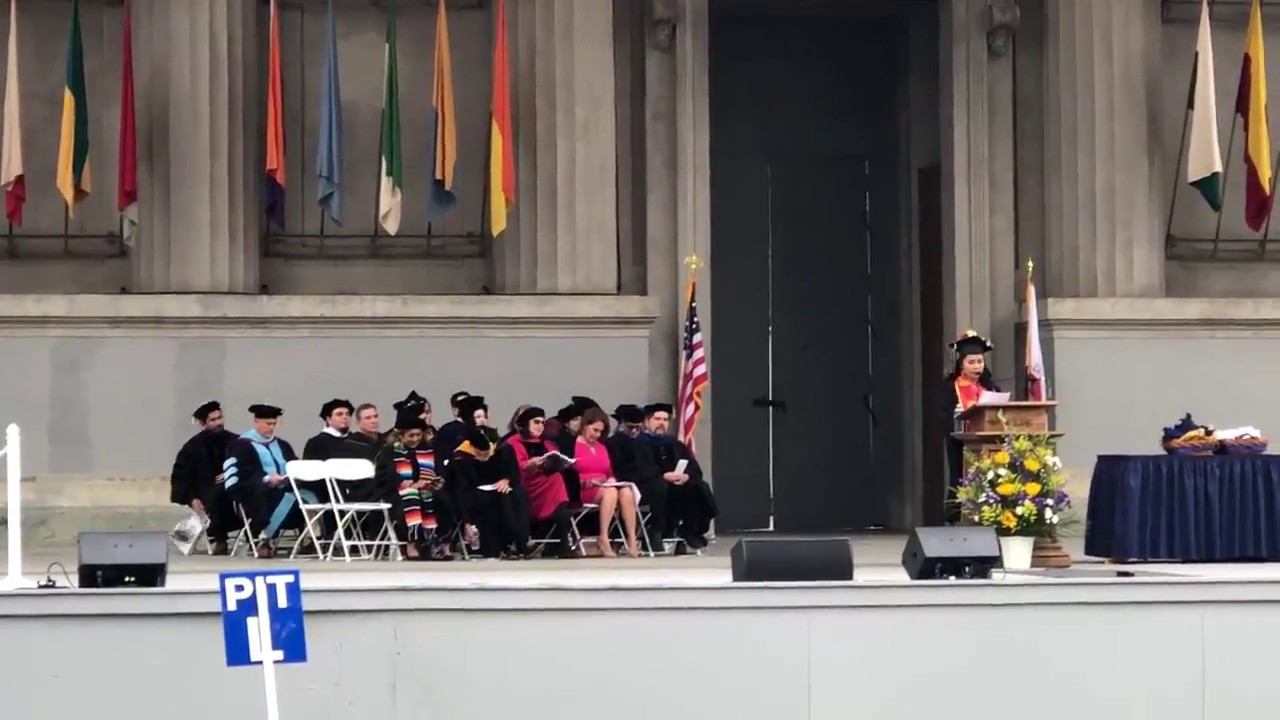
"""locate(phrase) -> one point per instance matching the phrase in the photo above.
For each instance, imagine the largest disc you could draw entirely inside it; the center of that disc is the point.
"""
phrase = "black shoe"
(221, 548)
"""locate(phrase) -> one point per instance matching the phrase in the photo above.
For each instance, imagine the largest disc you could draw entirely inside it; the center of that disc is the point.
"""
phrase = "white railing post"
(13, 493)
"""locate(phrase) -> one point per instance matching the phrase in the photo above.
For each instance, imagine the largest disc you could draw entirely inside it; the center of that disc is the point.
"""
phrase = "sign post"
(262, 624)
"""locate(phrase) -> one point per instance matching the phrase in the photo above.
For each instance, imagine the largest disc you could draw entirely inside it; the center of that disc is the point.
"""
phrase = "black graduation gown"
(503, 519)
(269, 506)
(955, 448)
(195, 469)
(447, 440)
(633, 462)
(692, 506)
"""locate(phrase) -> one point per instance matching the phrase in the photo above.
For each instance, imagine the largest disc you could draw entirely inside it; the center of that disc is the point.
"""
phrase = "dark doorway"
(806, 273)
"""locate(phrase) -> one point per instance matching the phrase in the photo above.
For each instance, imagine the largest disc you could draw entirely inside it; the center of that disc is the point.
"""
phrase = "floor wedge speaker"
(942, 553)
(765, 559)
(123, 559)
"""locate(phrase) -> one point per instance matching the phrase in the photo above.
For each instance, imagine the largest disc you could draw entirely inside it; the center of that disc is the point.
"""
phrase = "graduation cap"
(971, 343)
(653, 408)
(568, 413)
(628, 413)
(328, 409)
(265, 412)
(530, 413)
(413, 399)
(468, 405)
(408, 418)
(455, 400)
(583, 403)
(203, 412)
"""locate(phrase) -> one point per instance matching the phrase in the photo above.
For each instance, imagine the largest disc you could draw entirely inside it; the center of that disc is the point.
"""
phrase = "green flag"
(391, 186)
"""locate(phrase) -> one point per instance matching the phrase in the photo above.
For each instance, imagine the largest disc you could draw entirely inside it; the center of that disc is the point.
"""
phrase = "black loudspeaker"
(767, 559)
(123, 559)
(944, 553)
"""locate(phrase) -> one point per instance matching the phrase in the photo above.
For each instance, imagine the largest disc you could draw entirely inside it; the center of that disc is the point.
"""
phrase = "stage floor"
(876, 560)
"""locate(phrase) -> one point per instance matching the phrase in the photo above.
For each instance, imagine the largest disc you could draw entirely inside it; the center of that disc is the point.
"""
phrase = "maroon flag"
(127, 182)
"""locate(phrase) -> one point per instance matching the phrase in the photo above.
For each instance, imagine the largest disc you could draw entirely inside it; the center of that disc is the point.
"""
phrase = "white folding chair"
(350, 515)
(244, 534)
(313, 513)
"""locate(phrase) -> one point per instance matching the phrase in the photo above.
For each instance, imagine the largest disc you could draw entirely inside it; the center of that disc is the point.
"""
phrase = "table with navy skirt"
(1220, 508)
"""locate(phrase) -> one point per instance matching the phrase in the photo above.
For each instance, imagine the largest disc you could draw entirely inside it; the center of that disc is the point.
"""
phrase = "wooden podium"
(983, 429)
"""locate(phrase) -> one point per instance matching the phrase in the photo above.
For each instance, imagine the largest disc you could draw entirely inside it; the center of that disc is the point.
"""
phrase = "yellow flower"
(1032, 465)
(1000, 457)
(1006, 489)
(1009, 520)
(1033, 488)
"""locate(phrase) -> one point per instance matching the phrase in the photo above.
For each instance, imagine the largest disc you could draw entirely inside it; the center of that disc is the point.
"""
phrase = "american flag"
(694, 373)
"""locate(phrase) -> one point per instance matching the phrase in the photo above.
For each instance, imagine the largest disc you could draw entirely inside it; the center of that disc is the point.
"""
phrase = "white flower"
(991, 474)
(1048, 514)
(1019, 510)
(1054, 520)
(1049, 502)
(1054, 462)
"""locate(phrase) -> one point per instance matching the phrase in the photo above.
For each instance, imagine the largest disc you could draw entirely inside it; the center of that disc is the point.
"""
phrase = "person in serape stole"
(397, 463)
(540, 475)
(254, 475)
(197, 481)
(691, 506)
(969, 377)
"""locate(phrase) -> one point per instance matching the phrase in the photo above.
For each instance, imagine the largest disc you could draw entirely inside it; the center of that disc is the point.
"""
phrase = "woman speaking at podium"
(968, 378)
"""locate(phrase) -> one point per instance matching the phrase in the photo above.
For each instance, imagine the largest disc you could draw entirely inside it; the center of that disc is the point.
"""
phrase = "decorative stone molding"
(1160, 317)
(316, 316)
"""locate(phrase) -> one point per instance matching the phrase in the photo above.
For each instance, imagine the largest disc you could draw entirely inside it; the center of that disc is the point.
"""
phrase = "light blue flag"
(329, 152)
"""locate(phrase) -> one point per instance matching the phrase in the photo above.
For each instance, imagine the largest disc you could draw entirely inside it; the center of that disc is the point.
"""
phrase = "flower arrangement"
(1018, 489)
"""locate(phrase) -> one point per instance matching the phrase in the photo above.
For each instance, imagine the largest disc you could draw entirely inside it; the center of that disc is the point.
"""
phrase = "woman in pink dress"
(540, 467)
(595, 472)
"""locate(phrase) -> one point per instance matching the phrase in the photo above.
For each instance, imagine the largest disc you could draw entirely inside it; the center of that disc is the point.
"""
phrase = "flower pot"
(1015, 552)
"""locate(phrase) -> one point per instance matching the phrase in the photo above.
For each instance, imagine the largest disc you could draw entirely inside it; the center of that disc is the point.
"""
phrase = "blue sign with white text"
(279, 594)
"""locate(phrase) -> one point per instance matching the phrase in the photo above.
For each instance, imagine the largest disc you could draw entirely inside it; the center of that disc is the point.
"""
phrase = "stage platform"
(407, 641)
(877, 561)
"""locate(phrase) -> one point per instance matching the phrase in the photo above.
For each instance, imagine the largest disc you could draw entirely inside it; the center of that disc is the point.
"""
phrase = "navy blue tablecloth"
(1221, 508)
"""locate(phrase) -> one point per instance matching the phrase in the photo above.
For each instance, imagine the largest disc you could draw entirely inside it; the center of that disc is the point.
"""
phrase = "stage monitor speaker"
(123, 559)
(943, 553)
(765, 559)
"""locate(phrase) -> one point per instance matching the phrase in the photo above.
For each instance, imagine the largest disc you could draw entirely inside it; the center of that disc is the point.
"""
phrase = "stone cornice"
(1137, 317)
(316, 315)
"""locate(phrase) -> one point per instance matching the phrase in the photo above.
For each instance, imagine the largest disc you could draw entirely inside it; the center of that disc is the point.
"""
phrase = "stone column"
(566, 234)
(1102, 217)
(197, 69)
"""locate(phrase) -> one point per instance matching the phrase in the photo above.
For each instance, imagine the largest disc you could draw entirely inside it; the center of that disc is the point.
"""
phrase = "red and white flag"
(1034, 357)
(695, 375)
(12, 176)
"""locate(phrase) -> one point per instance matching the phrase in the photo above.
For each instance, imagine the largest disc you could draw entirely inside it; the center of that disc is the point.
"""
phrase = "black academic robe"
(633, 462)
(692, 506)
(270, 507)
(195, 477)
(955, 449)
(503, 519)
(447, 439)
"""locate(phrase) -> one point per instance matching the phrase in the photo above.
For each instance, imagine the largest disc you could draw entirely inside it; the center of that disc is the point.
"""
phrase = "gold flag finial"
(1031, 267)
(693, 262)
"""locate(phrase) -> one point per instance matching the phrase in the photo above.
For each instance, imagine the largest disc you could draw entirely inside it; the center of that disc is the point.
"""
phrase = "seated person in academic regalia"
(690, 504)
(255, 477)
(633, 462)
(368, 426)
(329, 442)
(425, 513)
(484, 482)
(540, 476)
(197, 480)
(451, 434)
(968, 379)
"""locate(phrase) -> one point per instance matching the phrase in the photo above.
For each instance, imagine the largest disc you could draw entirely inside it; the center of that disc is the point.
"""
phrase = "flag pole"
(1177, 168)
